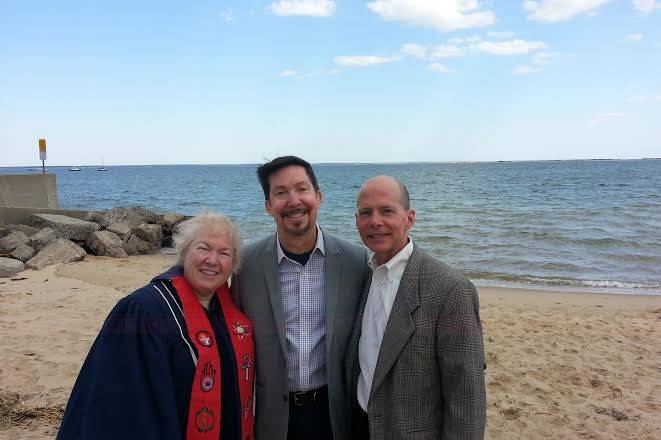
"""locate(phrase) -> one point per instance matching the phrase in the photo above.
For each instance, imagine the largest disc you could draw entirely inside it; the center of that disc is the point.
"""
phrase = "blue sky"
(166, 82)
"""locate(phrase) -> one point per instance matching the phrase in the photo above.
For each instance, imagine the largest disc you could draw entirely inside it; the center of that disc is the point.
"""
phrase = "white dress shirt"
(385, 282)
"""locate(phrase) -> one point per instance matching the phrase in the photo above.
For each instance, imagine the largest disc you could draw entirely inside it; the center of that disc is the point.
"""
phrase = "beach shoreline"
(560, 364)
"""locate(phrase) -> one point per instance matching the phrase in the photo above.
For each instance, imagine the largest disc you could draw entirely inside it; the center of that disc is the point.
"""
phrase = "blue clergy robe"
(136, 380)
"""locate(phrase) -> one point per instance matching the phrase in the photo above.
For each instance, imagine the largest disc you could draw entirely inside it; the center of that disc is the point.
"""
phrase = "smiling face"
(208, 260)
(381, 219)
(293, 202)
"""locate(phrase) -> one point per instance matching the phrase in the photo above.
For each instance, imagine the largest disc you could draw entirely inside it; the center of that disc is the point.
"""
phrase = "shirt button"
(304, 333)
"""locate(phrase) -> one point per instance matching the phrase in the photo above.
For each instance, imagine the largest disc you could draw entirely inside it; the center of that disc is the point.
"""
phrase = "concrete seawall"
(28, 191)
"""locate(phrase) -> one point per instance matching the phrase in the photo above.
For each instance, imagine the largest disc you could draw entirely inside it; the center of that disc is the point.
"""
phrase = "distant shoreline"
(335, 163)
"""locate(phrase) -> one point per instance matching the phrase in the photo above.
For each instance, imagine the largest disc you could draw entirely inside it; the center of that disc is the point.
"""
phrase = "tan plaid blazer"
(429, 377)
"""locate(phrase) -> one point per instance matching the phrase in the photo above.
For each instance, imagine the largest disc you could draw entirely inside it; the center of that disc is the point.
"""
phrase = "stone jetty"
(52, 238)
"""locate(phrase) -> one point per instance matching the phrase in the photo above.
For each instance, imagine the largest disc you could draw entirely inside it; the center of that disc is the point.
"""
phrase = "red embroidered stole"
(204, 408)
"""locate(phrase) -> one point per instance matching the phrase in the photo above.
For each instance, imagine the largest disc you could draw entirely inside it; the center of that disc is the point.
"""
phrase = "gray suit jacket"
(257, 292)
(429, 376)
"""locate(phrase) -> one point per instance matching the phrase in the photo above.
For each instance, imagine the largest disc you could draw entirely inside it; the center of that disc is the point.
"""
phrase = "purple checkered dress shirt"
(304, 298)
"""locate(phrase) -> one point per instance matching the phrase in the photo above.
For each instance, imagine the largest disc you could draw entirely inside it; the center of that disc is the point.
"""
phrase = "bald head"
(384, 182)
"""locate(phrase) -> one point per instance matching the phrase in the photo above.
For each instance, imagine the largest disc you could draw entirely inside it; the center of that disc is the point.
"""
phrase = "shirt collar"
(394, 268)
(319, 245)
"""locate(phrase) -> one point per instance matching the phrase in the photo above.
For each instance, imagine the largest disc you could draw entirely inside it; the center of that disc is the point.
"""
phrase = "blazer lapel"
(272, 278)
(333, 281)
(400, 325)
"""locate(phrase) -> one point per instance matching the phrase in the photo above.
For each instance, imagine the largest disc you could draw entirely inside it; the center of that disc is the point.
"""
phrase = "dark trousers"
(309, 418)
(360, 425)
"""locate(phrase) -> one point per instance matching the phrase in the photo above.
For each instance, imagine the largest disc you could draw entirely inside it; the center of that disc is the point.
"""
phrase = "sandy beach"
(560, 365)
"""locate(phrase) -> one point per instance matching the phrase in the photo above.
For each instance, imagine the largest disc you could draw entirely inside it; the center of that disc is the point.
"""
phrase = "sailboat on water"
(102, 168)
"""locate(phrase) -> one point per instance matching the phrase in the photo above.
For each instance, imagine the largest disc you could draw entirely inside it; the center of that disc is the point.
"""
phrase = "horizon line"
(340, 163)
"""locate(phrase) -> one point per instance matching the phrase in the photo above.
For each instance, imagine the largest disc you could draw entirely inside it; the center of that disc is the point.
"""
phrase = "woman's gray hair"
(187, 231)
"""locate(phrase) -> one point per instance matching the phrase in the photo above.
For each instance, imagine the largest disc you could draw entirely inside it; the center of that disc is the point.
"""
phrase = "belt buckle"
(300, 397)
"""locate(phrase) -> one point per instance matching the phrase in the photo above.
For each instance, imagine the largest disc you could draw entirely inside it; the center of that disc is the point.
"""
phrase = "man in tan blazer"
(415, 360)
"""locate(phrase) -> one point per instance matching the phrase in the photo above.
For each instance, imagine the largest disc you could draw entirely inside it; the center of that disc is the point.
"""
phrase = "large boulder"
(146, 215)
(66, 227)
(27, 230)
(43, 238)
(152, 234)
(133, 215)
(170, 220)
(4, 230)
(106, 243)
(136, 246)
(107, 218)
(10, 267)
(121, 229)
(62, 251)
(23, 252)
(10, 241)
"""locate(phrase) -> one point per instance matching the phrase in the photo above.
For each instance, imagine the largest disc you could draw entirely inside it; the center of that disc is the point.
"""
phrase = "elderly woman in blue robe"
(174, 359)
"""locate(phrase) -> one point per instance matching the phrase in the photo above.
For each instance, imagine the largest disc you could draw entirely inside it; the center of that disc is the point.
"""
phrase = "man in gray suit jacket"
(300, 288)
(415, 360)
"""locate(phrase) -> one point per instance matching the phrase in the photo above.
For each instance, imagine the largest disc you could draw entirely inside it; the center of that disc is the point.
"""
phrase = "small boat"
(102, 168)
(74, 169)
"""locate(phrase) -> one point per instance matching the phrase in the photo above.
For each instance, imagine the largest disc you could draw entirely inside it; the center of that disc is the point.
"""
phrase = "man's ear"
(320, 197)
(410, 219)
(267, 206)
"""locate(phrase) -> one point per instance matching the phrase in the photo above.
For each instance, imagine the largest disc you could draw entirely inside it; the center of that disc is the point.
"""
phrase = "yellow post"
(42, 154)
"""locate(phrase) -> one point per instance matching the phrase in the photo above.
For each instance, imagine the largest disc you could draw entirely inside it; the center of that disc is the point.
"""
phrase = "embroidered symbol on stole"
(241, 330)
(208, 377)
(204, 338)
(247, 365)
(246, 409)
(204, 420)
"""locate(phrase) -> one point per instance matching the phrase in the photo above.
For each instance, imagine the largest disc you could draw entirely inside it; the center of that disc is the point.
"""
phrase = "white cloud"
(227, 15)
(363, 60)
(560, 10)
(415, 50)
(459, 47)
(634, 37)
(445, 15)
(525, 70)
(311, 8)
(446, 51)
(511, 47)
(287, 73)
(438, 67)
(604, 117)
(464, 40)
(646, 6)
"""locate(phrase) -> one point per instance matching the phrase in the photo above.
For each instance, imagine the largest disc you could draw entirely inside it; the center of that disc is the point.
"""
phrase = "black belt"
(303, 398)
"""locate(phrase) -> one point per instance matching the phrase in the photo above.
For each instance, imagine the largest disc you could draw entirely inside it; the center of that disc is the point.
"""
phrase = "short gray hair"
(187, 231)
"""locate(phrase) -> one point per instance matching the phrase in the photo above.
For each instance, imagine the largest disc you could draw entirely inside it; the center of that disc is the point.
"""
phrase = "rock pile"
(51, 238)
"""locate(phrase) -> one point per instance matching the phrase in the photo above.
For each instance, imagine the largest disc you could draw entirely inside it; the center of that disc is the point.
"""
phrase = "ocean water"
(560, 224)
